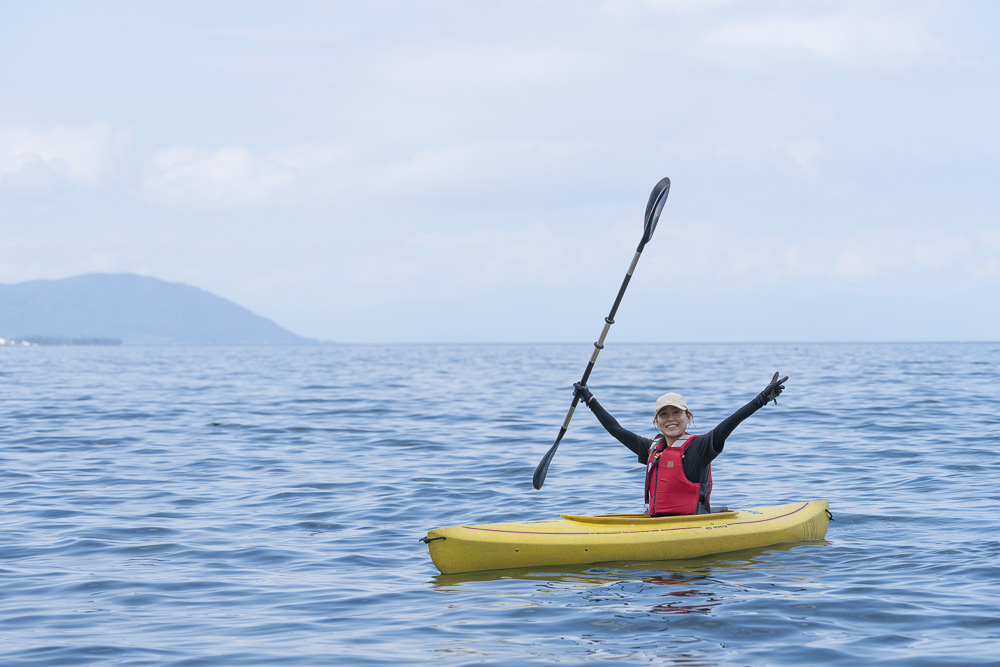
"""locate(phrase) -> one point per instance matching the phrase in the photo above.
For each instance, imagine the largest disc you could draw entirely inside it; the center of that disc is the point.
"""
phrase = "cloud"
(236, 177)
(32, 158)
(855, 34)
(988, 245)
(473, 166)
(477, 257)
(484, 66)
(807, 153)
(884, 256)
(703, 257)
(894, 253)
(989, 238)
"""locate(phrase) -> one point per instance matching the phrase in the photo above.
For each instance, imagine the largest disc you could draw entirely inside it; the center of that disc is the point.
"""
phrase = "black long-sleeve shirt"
(700, 453)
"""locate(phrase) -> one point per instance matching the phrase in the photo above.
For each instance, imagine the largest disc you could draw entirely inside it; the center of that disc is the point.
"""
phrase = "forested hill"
(132, 310)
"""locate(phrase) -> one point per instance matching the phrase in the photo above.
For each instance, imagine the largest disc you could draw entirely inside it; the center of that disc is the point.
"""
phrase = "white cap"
(673, 399)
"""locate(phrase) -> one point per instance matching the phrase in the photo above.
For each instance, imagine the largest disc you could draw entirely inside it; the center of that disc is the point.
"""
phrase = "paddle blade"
(657, 198)
(543, 466)
(541, 471)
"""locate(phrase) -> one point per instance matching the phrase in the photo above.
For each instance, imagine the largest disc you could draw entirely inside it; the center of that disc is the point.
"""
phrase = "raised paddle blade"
(657, 198)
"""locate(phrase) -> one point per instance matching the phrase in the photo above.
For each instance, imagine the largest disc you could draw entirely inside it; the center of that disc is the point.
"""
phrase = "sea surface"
(262, 506)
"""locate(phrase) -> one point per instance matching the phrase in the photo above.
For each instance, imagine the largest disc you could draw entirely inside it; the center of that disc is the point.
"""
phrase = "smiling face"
(672, 422)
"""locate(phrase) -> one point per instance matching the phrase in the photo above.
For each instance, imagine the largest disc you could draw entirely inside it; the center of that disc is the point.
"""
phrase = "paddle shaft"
(543, 466)
(657, 198)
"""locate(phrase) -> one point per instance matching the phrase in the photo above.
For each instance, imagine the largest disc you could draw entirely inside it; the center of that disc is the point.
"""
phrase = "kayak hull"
(571, 539)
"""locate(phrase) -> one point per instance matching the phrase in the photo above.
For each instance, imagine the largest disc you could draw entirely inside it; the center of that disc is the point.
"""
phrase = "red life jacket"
(668, 490)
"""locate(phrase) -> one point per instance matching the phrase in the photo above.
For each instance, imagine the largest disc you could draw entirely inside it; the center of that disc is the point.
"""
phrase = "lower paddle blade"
(540, 472)
(543, 466)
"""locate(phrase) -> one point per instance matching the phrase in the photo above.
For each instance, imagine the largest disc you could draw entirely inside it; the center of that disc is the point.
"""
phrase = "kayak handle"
(428, 540)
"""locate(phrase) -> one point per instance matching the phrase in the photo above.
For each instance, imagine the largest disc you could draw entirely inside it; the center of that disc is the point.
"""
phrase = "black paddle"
(657, 199)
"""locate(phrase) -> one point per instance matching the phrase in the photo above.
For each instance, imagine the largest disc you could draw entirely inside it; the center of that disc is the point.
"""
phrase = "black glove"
(772, 390)
(580, 391)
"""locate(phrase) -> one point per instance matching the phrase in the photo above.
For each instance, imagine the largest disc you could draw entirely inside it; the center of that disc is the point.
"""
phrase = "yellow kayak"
(573, 539)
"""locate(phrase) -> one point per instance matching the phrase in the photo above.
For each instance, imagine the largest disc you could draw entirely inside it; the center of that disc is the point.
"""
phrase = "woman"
(678, 465)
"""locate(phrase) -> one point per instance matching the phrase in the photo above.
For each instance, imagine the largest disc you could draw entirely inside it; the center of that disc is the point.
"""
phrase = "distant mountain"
(134, 310)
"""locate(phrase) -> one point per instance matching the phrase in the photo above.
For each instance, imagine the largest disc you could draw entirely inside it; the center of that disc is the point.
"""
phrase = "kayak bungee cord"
(657, 198)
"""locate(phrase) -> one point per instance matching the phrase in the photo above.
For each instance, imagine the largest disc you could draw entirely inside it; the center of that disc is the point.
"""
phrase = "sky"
(462, 171)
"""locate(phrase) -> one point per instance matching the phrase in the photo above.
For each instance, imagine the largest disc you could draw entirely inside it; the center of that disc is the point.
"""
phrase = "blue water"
(253, 506)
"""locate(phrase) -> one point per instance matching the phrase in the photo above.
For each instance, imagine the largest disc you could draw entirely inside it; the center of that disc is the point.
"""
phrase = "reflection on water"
(692, 600)
(690, 586)
(591, 574)
(676, 612)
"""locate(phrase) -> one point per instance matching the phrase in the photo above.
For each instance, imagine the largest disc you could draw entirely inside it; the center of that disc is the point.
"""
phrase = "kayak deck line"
(771, 518)
(699, 526)
(593, 532)
(572, 540)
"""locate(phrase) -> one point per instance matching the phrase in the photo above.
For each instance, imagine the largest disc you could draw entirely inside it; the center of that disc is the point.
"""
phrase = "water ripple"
(255, 506)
